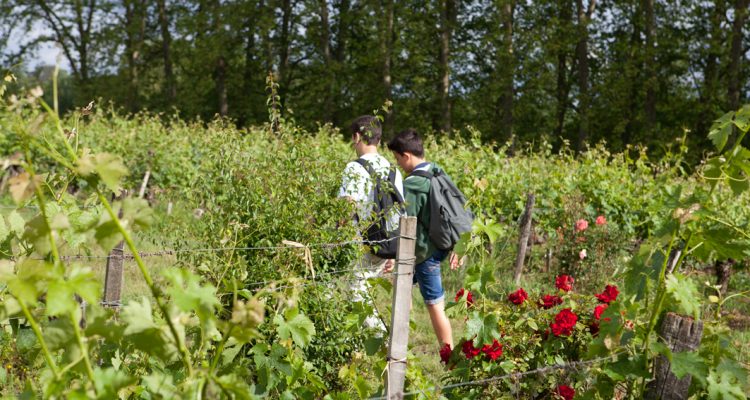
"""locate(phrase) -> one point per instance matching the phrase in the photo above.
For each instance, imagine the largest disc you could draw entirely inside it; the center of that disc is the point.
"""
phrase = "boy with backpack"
(376, 189)
(439, 206)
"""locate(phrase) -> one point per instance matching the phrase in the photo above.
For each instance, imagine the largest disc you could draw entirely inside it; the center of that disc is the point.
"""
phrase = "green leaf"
(109, 381)
(188, 294)
(724, 386)
(110, 169)
(137, 316)
(4, 229)
(685, 293)
(84, 283)
(484, 328)
(742, 118)
(295, 325)
(688, 362)
(720, 130)
(37, 232)
(137, 212)
(16, 222)
(60, 298)
(108, 235)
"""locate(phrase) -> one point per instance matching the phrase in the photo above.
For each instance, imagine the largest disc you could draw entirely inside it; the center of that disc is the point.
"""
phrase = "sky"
(45, 54)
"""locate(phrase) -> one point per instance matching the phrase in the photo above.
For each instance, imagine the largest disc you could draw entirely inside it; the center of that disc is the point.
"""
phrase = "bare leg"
(440, 324)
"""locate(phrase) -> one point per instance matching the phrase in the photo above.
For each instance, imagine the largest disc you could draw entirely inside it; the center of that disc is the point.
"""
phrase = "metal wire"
(576, 365)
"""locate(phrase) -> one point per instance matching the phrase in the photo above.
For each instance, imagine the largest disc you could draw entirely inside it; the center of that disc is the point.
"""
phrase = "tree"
(447, 22)
(582, 55)
(735, 54)
(170, 87)
(506, 68)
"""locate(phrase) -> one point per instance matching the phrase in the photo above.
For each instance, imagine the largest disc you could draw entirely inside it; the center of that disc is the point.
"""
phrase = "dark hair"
(368, 127)
(407, 141)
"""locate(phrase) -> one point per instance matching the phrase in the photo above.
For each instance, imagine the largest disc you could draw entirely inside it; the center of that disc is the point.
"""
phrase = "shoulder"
(355, 167)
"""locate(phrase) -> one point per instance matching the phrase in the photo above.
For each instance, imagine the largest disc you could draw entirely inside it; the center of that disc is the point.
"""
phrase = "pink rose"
(600, 220)
(581, 225)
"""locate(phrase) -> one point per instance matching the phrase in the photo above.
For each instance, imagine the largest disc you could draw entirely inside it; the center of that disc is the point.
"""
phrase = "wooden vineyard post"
(113, 278)
(402, 285)
(679, 333)
(523, 240)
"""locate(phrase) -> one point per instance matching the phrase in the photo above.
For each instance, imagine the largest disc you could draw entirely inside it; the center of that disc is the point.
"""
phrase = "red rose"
(549, 301)
(565, 320)
(600, 220)
(445, 353)
(564, 283)
(469, 297)
(599, 310)
(565, 392)
(608, 295)
(581, 225)
(493, 351)
(469, 350)
(518, 297)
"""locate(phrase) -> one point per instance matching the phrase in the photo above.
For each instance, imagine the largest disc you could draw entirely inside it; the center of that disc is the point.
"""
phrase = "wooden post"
(113, 279)
(144, 184)
(523, 240)
(401, 306)
(679, 333)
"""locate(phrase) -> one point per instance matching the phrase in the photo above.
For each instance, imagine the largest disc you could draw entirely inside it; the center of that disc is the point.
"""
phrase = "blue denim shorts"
(427, 275)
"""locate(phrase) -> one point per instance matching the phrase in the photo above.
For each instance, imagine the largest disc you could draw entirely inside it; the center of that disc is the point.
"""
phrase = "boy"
(357, 186)
(409, 152)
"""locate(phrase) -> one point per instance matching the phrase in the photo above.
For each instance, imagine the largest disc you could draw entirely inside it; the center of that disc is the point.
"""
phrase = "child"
(358, 187)
(409, 152)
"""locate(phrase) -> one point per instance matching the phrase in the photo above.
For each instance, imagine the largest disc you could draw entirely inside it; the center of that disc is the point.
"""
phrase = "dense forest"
(576, 71)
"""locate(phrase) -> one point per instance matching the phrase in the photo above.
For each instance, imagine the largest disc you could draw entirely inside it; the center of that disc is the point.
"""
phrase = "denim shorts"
(427, 275)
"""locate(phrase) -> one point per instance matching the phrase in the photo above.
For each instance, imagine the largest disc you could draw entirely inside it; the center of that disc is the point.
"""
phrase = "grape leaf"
(688, 362)
(724, 386)
(295, 325)
(685, 293)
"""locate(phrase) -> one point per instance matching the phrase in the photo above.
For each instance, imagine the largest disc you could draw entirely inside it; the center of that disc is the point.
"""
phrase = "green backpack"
(449, 217)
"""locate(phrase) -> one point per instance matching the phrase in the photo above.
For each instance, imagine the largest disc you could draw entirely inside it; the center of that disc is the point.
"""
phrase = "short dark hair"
(368, 126)
(407, 141)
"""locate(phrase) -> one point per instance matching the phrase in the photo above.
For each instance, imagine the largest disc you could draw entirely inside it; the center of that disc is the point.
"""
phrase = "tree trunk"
(251, 67)
(135, 26)
(582, 54)
(284, 48)
(723, 273)
(387, 51)
(221, 85)
(708, 96)
(506, 65)
(650, 62)
(220, 66)
(447, 16)
(735, 54)
(633, 82)
(563, 88)
(170, 89)
(325, 52)
(342, 31)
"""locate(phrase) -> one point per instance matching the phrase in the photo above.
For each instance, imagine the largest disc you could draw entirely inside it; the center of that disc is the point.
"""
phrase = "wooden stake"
(679, 333)
(523, 240)
(396, 368)
(113, 279)
(144, 184)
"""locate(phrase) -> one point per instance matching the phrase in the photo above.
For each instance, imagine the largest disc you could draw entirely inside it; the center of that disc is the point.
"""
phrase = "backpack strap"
(392, 181)
(367, 166)
(423, 173)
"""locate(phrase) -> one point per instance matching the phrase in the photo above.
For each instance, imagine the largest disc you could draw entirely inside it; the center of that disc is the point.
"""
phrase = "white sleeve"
(354, 182)
(399, 183)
